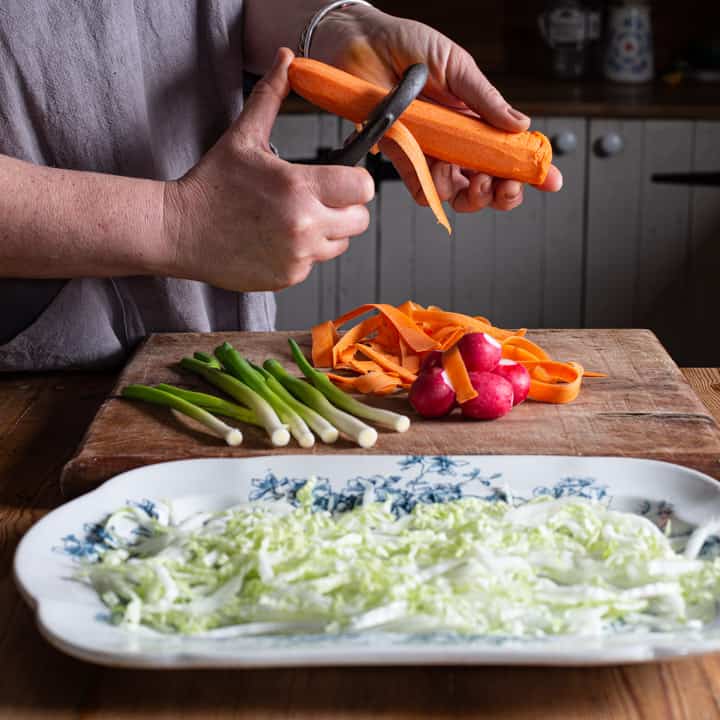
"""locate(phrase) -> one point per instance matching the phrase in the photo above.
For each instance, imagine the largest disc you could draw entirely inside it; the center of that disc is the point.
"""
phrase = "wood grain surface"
(645, 408)
(42, 418)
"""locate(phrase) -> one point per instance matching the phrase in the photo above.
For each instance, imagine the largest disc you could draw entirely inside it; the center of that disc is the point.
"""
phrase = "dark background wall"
(504, 37)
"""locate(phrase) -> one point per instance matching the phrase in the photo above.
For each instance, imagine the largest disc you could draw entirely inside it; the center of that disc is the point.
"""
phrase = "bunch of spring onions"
(271, 398)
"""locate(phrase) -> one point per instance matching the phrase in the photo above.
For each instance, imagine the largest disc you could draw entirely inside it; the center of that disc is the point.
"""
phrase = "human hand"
(243, 219)
(379, 47)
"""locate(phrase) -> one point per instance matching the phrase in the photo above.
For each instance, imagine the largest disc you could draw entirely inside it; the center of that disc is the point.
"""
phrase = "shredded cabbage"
(470, 566)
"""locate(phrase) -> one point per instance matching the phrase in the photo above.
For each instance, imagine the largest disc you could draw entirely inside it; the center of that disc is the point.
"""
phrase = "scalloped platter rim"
(72, 618)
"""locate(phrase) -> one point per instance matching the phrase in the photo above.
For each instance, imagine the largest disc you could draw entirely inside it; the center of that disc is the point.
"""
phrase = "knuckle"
(363, 220)
(300, 224)
(293, 182)
(366, 186)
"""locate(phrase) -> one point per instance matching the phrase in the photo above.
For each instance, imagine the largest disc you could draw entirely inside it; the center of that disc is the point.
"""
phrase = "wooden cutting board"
(645, 408)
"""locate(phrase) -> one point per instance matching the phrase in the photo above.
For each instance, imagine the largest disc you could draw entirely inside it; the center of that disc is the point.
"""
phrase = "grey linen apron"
(131, 87)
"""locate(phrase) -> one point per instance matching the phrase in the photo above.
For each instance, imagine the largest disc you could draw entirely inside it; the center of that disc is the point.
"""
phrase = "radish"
(495, 397)
(517, 375)
(480, 352)
(431, 394)
(431, 360)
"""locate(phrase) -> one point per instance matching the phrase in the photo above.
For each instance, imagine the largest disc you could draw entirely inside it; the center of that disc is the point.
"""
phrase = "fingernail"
(517, 115)
(511, 197)
(486, 187)
(278, 57)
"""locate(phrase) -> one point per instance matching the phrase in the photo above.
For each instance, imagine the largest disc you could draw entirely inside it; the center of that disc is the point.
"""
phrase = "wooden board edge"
(78, 464)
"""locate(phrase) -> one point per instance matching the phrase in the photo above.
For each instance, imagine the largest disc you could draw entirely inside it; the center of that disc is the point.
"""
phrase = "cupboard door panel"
(662, 261)
(613, 224)
(704, 345)
(396, 243)
(565, 227)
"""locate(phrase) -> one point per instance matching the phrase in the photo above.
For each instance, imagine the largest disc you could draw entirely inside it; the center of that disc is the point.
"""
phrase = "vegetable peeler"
(358, 145)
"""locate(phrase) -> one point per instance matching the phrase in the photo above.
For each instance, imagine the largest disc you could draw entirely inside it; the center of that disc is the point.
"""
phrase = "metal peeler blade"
(380, 120)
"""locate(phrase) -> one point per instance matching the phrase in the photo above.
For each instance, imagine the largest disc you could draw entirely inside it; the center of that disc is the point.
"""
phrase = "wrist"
(175, 229)
(341, 29)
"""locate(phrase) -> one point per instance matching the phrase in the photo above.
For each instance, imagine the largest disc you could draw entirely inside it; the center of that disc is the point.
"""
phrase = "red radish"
(480, 352)
(495, 397)
(517, 375)
(431, 394)
(431, 360)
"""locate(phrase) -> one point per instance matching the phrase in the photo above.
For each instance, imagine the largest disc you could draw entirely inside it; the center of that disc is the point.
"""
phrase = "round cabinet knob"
(609, 145)
(565, 142)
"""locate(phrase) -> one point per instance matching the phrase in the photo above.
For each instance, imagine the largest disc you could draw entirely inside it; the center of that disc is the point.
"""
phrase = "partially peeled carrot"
(441, 132)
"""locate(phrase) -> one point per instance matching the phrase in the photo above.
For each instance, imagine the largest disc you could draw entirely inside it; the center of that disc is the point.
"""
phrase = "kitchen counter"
(42, 419)
(594, 98)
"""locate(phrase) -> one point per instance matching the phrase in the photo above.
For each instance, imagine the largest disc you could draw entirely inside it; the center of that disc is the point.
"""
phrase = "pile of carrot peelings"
(383, 353)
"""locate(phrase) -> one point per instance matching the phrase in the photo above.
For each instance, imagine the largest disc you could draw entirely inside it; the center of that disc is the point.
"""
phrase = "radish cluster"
(500, 384)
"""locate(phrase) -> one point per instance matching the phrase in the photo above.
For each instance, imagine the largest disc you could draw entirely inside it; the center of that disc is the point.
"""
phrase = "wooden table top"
(42, 419)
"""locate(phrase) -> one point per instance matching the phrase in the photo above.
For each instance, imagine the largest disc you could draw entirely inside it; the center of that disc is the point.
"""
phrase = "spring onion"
(264, 412)
(213, 403)
(384, 418)
(232, 436)
(325, 430)
(210, 360)
(469, 566)
(236, 365)
(364, 435)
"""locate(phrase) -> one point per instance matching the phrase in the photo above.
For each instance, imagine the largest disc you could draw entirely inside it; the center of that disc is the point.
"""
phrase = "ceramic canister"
(629, 54)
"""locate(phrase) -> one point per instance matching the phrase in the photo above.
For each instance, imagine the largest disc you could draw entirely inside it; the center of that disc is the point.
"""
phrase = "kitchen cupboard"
(613, 249)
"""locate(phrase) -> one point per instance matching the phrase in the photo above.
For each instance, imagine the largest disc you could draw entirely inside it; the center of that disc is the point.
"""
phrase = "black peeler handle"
(380, 120)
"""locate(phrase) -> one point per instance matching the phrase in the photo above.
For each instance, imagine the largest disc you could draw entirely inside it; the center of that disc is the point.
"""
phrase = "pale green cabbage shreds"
(470, 566)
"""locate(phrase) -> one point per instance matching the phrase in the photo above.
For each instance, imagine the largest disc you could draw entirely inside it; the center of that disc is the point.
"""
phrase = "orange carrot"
(458, 375)
(376, 383)
(408, 329)
(408, 359)
(565, 384)
(441, 132)
(345, 347)
(442, 318)
(520, 348)
(385, 363)
(324, 338)
(404, 139)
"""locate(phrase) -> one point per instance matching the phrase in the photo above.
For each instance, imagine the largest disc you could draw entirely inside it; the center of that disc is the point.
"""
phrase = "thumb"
(263, 105)
(466, 82)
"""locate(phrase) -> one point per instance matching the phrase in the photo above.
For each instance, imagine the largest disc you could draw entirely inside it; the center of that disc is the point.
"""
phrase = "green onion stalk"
(276, 430)
(232, 436)
(359, 432)
(235, 364)
(384, 418)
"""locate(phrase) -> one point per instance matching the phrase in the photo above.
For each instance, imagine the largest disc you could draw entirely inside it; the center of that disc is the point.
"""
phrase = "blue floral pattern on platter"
(419, 479)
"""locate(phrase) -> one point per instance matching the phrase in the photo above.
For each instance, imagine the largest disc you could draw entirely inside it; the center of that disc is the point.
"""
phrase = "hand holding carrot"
(378, 47)
(244, 219)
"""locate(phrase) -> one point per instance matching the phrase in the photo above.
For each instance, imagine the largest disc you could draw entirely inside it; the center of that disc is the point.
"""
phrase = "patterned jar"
(629, 51)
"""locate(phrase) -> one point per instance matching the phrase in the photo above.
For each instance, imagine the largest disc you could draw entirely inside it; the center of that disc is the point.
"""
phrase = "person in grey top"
(138, 195)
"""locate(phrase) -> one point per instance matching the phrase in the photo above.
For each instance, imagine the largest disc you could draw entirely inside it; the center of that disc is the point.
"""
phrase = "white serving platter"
(71, 616)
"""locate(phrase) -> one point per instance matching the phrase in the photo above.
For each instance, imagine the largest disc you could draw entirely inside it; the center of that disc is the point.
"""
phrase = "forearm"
(62, 223)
